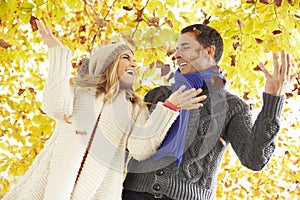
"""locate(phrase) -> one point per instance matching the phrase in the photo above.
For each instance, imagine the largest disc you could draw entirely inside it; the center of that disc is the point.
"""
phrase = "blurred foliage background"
(252, 30)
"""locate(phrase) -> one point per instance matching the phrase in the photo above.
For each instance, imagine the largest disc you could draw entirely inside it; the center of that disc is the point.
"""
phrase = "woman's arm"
(57, 97)
(149, 130)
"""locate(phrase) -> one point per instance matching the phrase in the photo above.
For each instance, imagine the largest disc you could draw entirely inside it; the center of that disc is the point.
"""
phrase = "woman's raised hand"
(187, 100)
(49, 38)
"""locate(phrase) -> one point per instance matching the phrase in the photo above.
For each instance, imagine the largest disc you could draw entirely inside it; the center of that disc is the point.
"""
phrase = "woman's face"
(126, 69)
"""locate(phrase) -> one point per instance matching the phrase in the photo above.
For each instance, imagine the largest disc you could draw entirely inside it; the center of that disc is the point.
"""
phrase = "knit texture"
(223, 115)
(53, 173)
(173, 144)
(104, 56)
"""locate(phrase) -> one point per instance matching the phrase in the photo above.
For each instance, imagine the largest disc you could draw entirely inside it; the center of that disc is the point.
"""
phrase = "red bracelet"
(168, 104)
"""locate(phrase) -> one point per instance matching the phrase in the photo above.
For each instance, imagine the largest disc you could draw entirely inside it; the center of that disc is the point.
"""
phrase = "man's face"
(190, 55)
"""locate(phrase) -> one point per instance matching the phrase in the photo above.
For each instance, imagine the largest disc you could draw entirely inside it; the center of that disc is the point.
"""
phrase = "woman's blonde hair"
(107, 83)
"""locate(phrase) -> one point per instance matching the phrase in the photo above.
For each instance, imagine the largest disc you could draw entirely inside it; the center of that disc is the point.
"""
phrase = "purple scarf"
(173, 144)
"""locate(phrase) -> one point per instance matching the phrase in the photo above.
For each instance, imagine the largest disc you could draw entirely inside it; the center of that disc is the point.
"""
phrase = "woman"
(98, 117)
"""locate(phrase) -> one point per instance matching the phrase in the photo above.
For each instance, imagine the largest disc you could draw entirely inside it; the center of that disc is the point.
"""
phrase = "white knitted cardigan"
(53, 173)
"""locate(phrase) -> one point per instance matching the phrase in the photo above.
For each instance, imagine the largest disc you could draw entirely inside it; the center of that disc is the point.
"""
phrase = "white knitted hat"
(103, 57)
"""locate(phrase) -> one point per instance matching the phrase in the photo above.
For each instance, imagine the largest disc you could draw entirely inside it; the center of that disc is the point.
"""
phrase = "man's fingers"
(296, 75)
(264, 70)
(289, 65)
(284, 64)
(276, 64)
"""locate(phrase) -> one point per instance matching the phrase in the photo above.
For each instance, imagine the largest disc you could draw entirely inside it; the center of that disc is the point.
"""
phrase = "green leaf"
(3, 7)
(27, 7)
(39, 2)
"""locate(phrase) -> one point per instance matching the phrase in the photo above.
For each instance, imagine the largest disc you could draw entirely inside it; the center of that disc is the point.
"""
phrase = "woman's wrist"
(170, 105)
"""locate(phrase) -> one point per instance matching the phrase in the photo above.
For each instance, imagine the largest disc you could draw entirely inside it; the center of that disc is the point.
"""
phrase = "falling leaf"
(170, 76)
(264, 1)
(4, 44)
(82, 39)
(259, 41)
(206, 21)
(153, 21)
(287, 153)
(127, 8)
(100, 22)
(217, 82)
(129, 40)
(171, 52)
(169, 22)
(31, 90)
(33, 23)
(276, 32)
(245, 96)
(235, 37)
(139, 14)
(257, 68)
(289, 95)
(159, 64)
(278, 3)
(291, 2)
(151, 65)
(240, 23)
(233, 61)
(82, 28)
(21, 91)
(235, 45)
(165, 69)
(42, 111)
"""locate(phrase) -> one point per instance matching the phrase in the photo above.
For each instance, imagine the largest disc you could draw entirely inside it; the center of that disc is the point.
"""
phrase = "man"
(186, 165)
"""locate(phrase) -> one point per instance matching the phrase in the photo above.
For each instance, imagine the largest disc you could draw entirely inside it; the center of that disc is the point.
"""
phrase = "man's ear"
(211, 50)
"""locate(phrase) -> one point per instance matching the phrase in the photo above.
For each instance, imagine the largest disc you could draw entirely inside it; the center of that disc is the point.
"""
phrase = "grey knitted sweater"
(224, 116)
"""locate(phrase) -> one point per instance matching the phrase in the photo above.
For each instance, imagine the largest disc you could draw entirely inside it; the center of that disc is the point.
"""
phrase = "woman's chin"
(126, 85)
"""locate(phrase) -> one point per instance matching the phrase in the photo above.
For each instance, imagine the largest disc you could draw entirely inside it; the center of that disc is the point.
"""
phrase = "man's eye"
(186, 48)
(125, 57)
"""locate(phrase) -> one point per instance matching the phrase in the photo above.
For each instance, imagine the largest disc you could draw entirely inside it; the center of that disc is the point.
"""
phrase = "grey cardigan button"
(160, 172)
(156, 187)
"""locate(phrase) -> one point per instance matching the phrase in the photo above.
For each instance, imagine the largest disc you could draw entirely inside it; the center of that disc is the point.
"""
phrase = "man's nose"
(133, 64)
(178, 54)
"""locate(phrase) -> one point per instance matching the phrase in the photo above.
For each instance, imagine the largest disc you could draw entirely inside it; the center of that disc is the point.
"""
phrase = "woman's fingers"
(187, 100)
(198, 91)
(297, 75)
(41, 28)
(180, 90)
(190, 100)
(201, 98)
